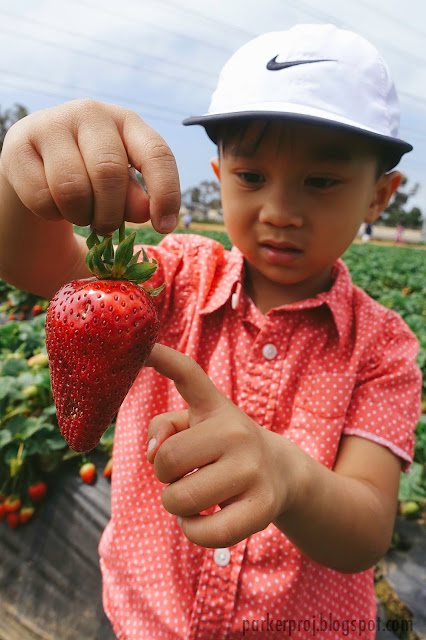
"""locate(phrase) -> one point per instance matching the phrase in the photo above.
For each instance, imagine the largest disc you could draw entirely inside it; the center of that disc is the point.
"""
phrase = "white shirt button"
(269, 351)
(234, 300)
(222, 557)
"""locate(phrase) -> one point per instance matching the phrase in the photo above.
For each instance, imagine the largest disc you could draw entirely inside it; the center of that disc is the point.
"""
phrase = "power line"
(102, 58)
(84, 91)
(11, 85)
(410, 27)
(412, 96)
(323, 14)
(107, 43)
(87, 91)
(199, 14)
(117, 14)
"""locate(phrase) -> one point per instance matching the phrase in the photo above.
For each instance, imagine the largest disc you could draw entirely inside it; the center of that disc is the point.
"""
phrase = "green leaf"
(56, 442)
(49, 411)
(135, 258)
(154, 292)
(7, 386)
(102, 246)
(99, 268)
(90, 260)
(5, 437)
(108, 437)
(92, 240)
(123, 255)
(109, 252)
(28, 378)
(140, 272)
(23, 428)
(13, 365)
(412, 485)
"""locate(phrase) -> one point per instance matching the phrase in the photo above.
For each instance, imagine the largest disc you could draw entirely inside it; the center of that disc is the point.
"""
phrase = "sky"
(162, 58)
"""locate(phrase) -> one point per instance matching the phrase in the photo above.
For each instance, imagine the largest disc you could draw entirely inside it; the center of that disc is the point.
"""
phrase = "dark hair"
(223, 133)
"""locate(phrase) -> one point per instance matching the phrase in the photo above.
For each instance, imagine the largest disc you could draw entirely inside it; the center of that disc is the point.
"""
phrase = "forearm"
(36, 255)
(340, 522)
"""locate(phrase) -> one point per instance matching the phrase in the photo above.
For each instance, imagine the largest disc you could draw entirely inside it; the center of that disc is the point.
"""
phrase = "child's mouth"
(278, 254)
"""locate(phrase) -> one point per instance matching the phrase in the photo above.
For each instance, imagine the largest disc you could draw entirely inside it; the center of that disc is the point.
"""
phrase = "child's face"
(293, 200)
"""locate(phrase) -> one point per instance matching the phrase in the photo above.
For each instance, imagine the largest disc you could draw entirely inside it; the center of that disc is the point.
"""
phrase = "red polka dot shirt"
(312, 371)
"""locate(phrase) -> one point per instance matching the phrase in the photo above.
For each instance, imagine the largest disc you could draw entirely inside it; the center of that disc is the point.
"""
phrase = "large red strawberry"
(99, 333)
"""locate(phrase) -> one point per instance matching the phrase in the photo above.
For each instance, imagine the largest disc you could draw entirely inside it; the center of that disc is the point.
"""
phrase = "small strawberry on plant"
(12, 519)
(25, 513)
(37, 309)
(108, 469)
(12, 503)
(37, 491)
(88, 472)
(99, 333)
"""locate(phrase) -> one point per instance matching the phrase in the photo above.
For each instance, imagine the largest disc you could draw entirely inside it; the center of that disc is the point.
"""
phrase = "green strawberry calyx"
(107, 263)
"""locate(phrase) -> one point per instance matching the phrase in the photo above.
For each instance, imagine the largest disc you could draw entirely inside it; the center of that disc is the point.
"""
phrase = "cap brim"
(209, 120)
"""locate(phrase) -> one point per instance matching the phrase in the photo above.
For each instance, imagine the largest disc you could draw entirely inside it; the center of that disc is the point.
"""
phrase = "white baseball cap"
(313, 73)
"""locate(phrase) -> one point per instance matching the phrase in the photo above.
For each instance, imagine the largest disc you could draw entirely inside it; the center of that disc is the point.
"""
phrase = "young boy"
(274, 505)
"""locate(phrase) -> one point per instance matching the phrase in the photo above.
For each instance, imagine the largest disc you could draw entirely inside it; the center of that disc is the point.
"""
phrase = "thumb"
(193, 384)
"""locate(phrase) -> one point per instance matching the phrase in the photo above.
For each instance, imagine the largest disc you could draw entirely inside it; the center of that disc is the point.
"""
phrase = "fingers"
(72, 162)
(183, 453)
(149, 153)
(233, 523)
(162, 427)
(105, 158)
(24, 169)
(137, 201)
(194, 385)
(193, 493)
(69, 185)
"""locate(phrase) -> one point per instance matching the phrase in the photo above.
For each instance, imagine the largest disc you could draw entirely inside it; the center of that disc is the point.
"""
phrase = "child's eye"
(250, 177)
(321, 183)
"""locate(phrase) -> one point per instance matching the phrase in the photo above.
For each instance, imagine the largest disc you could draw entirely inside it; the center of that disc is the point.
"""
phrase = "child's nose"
(281, 208)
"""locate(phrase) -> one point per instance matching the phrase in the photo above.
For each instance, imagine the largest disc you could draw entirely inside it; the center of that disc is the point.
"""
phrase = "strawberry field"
(31, 447)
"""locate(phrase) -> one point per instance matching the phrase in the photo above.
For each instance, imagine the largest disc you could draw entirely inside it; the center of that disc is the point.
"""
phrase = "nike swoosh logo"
(273, 65)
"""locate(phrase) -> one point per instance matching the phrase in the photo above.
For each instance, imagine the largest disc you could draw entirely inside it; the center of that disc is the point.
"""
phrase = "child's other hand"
(239, 464)
(72, 162)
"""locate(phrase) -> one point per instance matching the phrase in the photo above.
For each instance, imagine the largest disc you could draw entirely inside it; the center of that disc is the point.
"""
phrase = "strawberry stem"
(121, 264)
(122, 232)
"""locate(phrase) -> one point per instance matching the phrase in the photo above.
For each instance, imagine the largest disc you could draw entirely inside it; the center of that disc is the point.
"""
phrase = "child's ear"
(215, 166)
(386, 186)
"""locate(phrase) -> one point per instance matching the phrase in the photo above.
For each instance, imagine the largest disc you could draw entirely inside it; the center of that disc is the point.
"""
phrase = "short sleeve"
(386, 402)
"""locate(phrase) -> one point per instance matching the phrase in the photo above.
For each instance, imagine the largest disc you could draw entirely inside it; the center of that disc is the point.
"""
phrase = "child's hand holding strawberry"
(72, 162)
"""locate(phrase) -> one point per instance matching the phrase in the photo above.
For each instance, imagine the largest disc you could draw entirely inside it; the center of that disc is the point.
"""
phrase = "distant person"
(187, 219)
(368, 231)
(399, 233)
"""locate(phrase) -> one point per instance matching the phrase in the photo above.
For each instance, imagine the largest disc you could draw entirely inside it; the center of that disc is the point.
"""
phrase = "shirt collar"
(228, 280)
(339, 299)
(228, 286)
